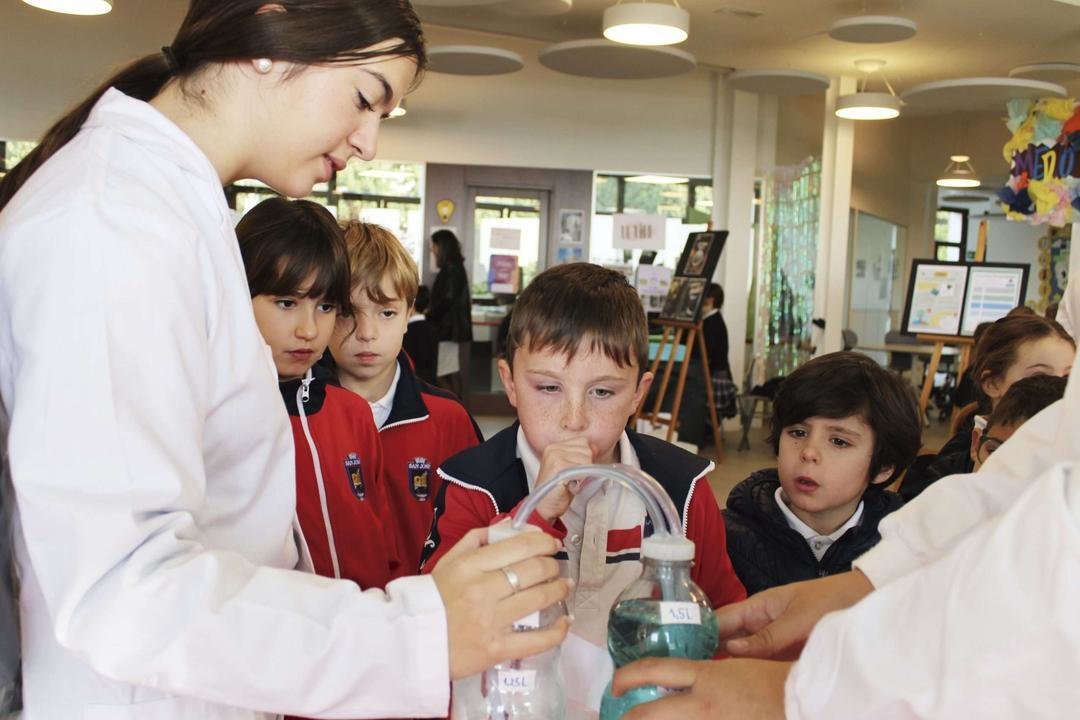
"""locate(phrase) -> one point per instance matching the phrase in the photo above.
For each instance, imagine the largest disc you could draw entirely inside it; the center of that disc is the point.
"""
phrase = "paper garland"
(1044, 178)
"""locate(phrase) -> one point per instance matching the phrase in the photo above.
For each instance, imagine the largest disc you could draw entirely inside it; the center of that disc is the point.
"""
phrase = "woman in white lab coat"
(149, 453)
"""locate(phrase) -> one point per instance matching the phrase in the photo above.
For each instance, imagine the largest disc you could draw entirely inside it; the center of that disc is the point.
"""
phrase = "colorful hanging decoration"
(1053, 267)
(1044, 179)
(785, 262)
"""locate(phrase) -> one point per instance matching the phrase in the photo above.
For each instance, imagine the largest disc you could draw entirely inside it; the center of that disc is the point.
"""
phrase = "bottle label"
(529, 622)
(680, 613)
(517, 681)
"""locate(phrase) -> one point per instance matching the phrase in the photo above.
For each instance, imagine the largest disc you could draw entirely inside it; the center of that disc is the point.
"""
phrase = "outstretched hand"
(775, 623)
(716, 689)
(481, 606)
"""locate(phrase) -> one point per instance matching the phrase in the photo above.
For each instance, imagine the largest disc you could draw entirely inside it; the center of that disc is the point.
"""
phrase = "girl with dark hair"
(298, 271)
(152, 467)
(1019, 345)
(451, 311)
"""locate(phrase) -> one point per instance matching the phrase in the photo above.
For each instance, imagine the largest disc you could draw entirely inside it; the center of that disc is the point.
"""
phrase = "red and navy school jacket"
(482, 484)
(426, 426)
(350, 460)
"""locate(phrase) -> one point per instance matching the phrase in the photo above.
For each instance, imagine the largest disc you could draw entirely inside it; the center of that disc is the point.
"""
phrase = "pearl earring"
(263, 65)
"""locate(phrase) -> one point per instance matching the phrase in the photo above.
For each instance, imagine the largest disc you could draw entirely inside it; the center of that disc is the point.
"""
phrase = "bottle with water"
(526, 689)
(661, 614)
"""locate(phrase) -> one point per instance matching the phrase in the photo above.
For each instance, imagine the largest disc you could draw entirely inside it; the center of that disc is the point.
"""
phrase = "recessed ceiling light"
(73, 7)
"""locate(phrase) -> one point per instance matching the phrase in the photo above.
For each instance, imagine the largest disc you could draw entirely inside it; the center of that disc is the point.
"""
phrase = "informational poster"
(503, 274)
(952, 298)
(936, 298)
(570, 253)
(653, 283)
(638, 231)
(571, 226)
(505, 238)
(991, 293)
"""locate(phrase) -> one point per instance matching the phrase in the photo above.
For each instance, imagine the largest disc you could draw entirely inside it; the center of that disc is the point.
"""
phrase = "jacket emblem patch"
(420, 478)
(355, 474)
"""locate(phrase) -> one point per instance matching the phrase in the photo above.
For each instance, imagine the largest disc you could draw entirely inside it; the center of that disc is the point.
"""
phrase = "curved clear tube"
(658, 504)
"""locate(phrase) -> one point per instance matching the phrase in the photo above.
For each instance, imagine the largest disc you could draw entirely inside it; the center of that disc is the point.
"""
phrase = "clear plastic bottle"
(661, 614)
(526, 689)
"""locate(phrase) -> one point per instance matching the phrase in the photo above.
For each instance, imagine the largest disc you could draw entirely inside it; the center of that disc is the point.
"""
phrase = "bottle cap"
(668, 547)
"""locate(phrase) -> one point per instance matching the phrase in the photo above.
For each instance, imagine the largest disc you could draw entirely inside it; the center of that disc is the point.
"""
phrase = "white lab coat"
(152, 462)
(970, 582)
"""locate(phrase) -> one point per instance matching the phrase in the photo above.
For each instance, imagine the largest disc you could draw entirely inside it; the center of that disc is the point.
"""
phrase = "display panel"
(935, 298)
(992, 291)
(951, 299)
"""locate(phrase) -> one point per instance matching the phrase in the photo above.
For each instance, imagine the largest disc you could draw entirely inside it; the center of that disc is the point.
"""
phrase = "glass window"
(607, 194)
(15, 151)
(518, 221)
(383, 192)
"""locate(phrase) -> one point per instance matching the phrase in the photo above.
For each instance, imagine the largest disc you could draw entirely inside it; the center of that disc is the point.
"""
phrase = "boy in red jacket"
(419, 425)
(575, 372)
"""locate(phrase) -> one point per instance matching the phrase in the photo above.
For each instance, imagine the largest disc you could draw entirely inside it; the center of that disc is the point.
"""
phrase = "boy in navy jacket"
(843, 428)
(575, 372)
(420, 426)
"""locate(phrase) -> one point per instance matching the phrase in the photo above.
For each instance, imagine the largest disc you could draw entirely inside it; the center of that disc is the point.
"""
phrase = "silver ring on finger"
(512, 578)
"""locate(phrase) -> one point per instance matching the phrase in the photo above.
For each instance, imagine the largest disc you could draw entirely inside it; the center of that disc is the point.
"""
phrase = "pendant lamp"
(646, 23)
(863, 105)
(73, 7)
(959, 173)
(399, 111)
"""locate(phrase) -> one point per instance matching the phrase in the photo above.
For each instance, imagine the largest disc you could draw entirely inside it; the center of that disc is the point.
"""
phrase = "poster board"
(951, 298)
(692, 275)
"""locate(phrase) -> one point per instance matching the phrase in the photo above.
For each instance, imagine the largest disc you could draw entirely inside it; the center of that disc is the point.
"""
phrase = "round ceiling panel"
(1055, 72)
(873, 29)
(473, 60)
(779, 82)
(606, 59)
(455, 3)
(535, 8)
(980, 93)
(966, 198)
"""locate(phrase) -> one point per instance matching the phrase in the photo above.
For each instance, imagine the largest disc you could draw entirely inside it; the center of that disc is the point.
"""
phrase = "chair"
(850, 338)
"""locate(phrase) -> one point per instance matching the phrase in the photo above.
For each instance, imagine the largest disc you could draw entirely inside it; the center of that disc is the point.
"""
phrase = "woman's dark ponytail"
(215, 31)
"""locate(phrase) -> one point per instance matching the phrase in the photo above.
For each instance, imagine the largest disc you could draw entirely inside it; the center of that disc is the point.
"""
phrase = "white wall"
(1011, 242)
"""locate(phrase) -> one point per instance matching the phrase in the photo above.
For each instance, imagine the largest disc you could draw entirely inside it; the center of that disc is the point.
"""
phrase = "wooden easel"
(674, 329)
(964, 343)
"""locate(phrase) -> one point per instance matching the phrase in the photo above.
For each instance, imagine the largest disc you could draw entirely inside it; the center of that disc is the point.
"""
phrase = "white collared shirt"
(819, 544)
(380, 409)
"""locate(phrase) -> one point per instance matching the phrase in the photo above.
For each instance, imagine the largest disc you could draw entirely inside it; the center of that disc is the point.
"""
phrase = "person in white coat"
(150, 458)
(966, 608)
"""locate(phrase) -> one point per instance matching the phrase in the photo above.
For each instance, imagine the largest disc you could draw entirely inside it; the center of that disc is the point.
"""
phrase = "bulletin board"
(951, 298)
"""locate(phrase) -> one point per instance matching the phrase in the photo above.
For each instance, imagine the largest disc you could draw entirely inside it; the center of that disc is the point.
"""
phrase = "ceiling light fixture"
(73, 7)
(959, 173)
(658, 179)
(863, 105)
(646, 23)
(399, 111)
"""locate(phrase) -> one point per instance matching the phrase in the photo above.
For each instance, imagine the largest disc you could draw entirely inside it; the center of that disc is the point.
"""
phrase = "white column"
(734, 168)
(831, 272)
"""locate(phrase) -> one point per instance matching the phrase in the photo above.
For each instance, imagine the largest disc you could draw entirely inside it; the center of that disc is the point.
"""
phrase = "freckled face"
(559, 399)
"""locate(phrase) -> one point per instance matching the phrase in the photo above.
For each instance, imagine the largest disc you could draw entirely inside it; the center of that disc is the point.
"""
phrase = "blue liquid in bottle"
(661, 614)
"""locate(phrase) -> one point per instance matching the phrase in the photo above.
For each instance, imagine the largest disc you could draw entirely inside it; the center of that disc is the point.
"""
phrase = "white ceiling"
(956, 38)
(47, 60)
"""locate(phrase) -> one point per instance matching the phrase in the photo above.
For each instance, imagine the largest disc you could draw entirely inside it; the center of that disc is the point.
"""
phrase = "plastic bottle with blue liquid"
(661, 614)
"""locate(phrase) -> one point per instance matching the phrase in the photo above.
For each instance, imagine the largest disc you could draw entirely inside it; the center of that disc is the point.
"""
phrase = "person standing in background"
(451, 311)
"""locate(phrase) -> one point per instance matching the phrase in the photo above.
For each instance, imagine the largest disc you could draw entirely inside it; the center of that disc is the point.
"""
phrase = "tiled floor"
(736, 465)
